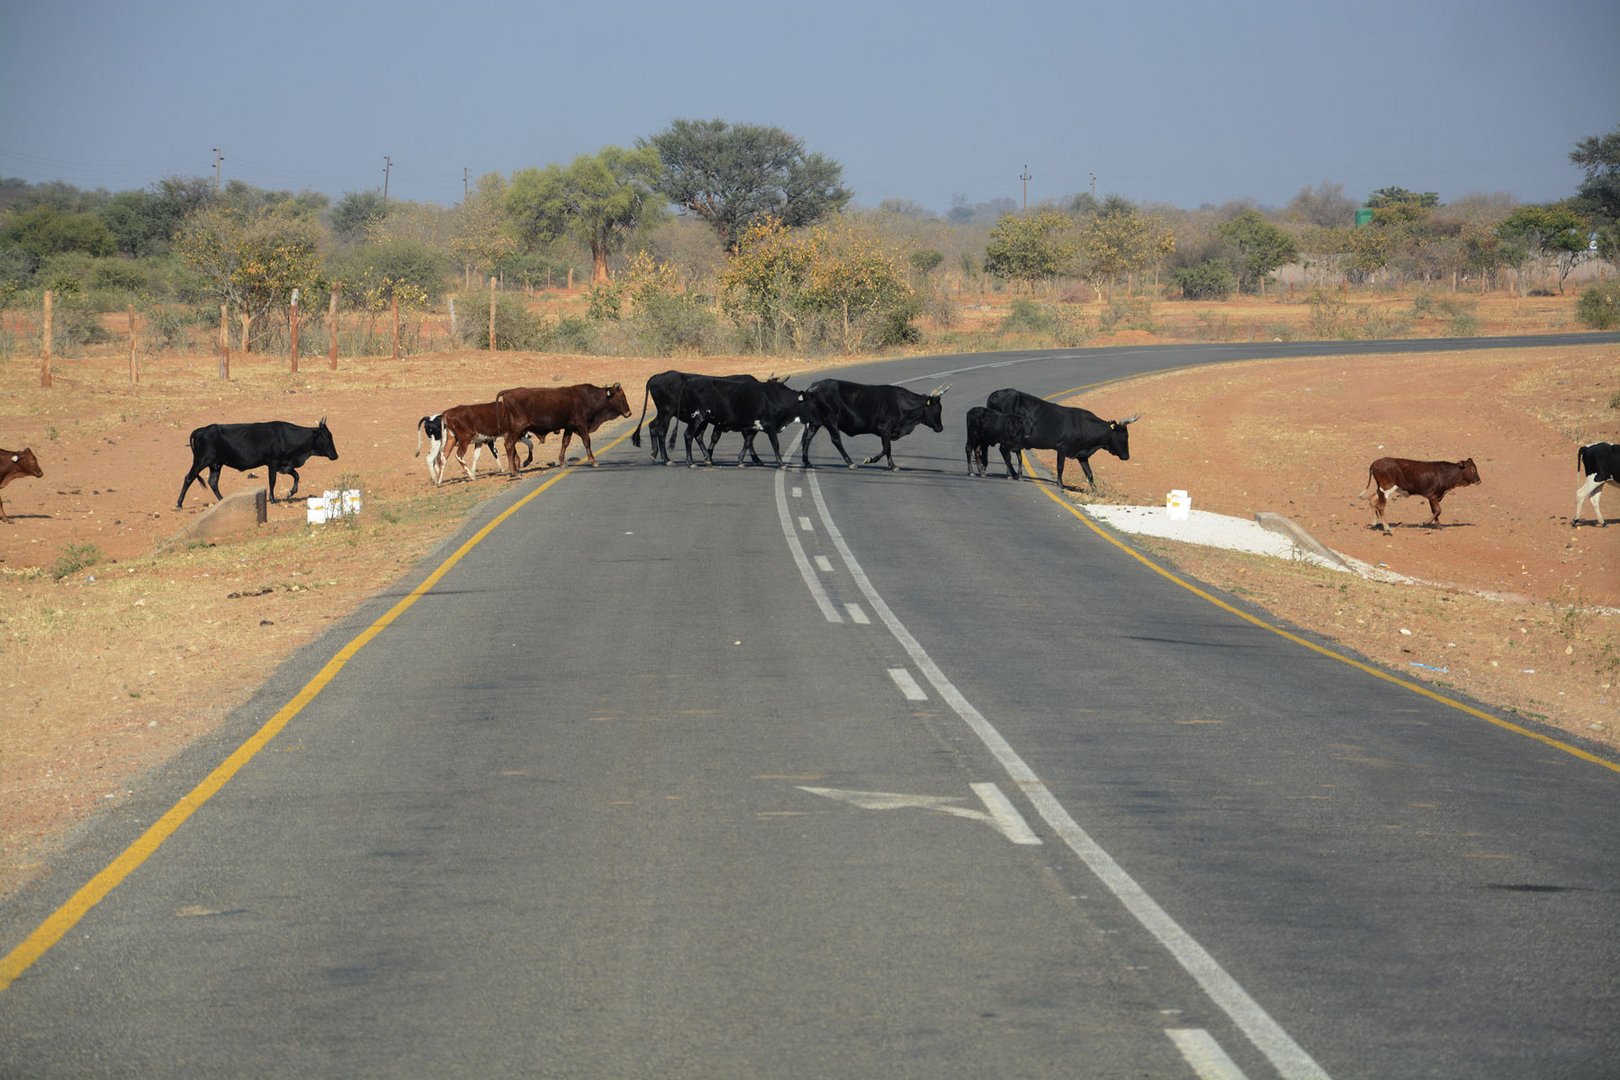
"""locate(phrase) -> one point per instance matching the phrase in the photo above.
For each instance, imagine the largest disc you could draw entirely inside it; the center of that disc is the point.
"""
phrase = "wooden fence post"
(331, 317)
(293, 331)
(45, 358)
(224, 343)
(134, 367)
(491, 313)
(247, 325)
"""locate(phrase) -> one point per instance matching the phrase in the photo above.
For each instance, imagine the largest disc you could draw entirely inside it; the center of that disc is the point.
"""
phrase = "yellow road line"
(1416, 688)
(66, 917)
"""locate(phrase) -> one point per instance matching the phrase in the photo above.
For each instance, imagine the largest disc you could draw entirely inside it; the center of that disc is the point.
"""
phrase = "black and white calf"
(433, 428)
(1599, 464)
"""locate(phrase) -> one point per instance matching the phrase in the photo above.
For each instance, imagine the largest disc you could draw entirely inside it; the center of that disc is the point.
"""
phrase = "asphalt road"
(756, 772)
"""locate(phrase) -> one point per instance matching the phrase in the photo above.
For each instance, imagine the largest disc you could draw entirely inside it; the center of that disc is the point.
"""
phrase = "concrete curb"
(238, 512)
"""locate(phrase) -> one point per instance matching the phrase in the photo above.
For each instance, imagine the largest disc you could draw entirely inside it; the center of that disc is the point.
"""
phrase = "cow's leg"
(510, 445)
(1380, 500)
(197, 468)
(693, 426)
(477, 452)
(748, 444)
(838, 443)
(776, 446)
(1012, 468)
(1085, 467)
(213, 479)
(528, 451)
(1060, 469)
(1434, 505)
(1591, 488)
(804, 447)
(294, 492)
(585, 441)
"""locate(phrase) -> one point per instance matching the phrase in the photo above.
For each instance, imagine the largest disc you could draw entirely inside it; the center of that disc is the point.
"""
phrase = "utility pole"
(464, 183)
(1093, 187)
(1025, 177)
(388, 165)
(218, 157)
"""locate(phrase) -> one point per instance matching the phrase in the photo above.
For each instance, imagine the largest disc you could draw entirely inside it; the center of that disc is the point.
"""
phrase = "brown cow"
(466, 426)
(1430, 479)
(15, 463)
(572, 410)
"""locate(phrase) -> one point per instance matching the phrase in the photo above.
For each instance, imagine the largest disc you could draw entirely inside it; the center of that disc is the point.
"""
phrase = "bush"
(571, 334)
(1209, 280)
(75, 557)
(1599, 306)
(516, 328)
(1028, 317)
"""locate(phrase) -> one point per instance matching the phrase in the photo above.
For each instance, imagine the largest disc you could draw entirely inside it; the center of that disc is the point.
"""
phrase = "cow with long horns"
(1070, 432)
(849, 408)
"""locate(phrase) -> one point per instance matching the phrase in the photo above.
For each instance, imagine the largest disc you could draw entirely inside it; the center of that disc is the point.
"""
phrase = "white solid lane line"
(1286, 1056)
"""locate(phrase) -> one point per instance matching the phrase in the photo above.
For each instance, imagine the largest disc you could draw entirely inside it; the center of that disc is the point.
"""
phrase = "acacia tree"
(484, 235)
(1257, 248)
(1599, 194)
(254, 261)
(1031, 248)
(1121, 241)
(734, 176)
(600, 200)
(1552, 234)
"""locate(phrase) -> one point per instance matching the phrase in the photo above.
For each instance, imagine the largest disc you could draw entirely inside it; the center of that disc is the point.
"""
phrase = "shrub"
(75, 557)
(1028, 317)
(1209, 280)
(1599, 306)
(571, 334)
(516, 328)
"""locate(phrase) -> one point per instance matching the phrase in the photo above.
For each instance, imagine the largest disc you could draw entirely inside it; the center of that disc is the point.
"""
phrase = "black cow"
(848, 408)
(1599, 464)
(747, 406)
(1076, 433)
(275, 444)
(984, 428)
(667, 392)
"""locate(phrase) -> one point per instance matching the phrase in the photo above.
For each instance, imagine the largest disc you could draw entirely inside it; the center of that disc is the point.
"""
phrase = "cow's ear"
(16, 458)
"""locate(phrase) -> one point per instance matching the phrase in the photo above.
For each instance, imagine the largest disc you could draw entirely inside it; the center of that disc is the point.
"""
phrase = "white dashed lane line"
(908, 685)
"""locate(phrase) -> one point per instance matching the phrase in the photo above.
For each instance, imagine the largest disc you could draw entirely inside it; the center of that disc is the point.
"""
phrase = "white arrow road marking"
(1001, 815)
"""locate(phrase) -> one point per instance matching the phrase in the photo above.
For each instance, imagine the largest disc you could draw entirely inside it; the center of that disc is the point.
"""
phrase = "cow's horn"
(1132, 420)
(322, 423)
(941, 391)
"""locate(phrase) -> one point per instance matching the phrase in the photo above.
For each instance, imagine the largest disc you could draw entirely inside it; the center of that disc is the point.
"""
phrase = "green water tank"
(1363, 216)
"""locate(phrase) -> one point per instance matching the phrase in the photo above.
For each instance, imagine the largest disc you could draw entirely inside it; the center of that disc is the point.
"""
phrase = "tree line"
(712, 235)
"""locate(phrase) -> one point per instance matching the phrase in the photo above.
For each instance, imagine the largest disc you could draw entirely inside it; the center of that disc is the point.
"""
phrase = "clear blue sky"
(1173, 102)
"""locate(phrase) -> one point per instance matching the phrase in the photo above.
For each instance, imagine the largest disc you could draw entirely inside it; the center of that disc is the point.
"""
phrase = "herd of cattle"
(712, 405)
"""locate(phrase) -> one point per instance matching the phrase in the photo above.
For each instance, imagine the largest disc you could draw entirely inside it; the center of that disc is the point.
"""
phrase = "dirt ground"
(116, 649)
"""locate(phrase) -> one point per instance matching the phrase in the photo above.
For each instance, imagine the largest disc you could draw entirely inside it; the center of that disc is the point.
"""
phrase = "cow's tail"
(1367, 489)
(635, 436)
(421, 430)
(1580, 462)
